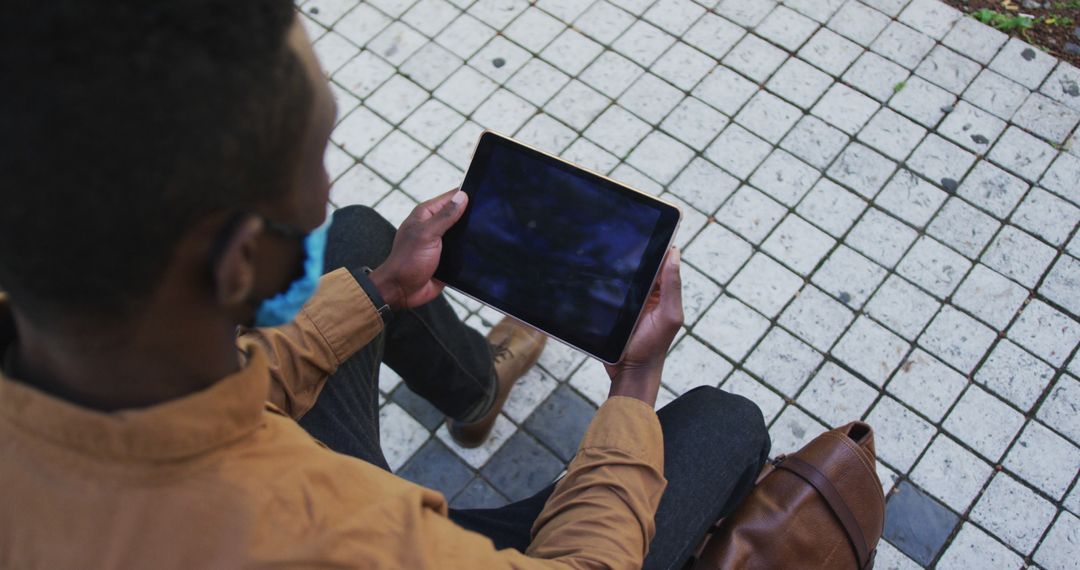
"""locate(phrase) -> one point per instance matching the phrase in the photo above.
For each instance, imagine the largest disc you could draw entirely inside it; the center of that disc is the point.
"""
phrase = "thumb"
(447, 216)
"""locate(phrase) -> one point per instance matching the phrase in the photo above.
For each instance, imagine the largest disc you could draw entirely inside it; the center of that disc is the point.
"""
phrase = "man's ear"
(234, 272)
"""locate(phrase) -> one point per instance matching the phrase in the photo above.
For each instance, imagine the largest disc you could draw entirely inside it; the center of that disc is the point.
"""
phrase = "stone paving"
(881, 200)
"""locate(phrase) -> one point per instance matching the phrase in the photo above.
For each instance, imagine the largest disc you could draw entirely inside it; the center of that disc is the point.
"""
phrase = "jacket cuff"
(630, 425)
(343, 314)
(361, 275)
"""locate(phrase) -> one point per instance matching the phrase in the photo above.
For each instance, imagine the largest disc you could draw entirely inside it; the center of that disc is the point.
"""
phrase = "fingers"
(671, 287)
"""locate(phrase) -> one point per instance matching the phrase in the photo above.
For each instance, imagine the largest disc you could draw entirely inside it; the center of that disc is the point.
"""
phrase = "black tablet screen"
(555, 246)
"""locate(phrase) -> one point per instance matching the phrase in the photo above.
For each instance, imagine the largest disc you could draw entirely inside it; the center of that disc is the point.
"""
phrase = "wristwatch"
(362, 276)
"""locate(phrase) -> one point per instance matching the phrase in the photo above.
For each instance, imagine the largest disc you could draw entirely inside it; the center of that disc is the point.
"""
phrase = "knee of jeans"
(736, 412)
(359, 236)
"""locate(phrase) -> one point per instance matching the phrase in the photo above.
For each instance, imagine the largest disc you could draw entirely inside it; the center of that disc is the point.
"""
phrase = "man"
(163, 184)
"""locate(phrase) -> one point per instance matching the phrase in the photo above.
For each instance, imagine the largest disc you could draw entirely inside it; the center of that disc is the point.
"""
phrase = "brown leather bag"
(821, 507)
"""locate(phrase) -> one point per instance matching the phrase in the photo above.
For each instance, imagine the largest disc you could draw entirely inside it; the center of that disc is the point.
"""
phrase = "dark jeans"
(714, 442)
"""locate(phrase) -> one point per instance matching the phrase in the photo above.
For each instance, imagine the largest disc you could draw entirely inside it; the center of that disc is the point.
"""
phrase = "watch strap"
(362, 276)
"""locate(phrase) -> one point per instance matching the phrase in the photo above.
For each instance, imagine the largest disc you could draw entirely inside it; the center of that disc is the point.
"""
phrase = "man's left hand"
(405, 279)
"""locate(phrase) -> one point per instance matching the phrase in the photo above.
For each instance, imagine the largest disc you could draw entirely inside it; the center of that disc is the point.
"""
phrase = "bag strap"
(819, 481)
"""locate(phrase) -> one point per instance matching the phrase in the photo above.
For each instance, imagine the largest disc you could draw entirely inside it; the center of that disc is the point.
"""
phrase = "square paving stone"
(845, 108)
(478, 494)
(718, 252)
(917, 524)
(529, 391)
(746, 14)
(765, 285)
(1045, 331)
(768, 116)
(1046, 118)
(691, 364)
(675, 16)
(957, 339)
(971, 127)
(1013, 513)
(881, 237)
(1060, 410)
(534, 29)
(975, 40)
(714, 35)
(901, 435)
(1014, 374)
(784, 177)
(875, 76)
(892, 134)
(643, 43)
(1044, 459)
(932, 18)
(1059, 550)
(798, 244)
(984, 422)
(849, 277)
(992, 189)
(1016, 254)
(738, 151)
(661, 157)
(814, 141)
(1047, 216)
(1062, 284)
(990, 296)
(436, 467)
(561, 421)
(922, 101)
(650, 98)
(951, 473)
(682, 65)
(1063, 85)
(611, 74)
(831, 207)
(1061, 177)
(1023, 63)
(830, 52)
(911, 198)
(858, 22)
(694, 123)
(862, 169)
(927, 384)
(725, 90)
(786, 28)
(698, 293)
(871, 350)
(836, 396)
(750, 213)
(933, 267)
(754, 58)
(816, 318)
(799, 82)
(783, 361)
(973, 548)
(522, 467)
(941, 161)
(999, 95)
(1022, 154)
(731, 327)
(902, 44)
(948, 69)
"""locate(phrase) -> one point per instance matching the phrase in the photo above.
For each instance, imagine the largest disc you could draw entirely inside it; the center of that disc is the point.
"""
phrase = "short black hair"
(122, 125)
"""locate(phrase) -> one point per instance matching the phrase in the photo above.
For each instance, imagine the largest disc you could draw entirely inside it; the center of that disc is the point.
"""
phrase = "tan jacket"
(226, 478)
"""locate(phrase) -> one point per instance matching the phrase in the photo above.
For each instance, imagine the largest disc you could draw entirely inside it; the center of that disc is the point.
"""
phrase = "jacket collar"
(222, 413)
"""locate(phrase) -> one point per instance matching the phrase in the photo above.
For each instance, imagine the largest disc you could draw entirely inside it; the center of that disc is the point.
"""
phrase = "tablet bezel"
(614, 350)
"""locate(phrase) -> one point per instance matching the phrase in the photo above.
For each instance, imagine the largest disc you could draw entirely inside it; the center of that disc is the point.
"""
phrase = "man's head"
(139, 140)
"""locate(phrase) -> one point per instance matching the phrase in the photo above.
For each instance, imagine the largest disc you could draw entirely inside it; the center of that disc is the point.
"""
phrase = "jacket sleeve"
(601, 512)
(337, 321)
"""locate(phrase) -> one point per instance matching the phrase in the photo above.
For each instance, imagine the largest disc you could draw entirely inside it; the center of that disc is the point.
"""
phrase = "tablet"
(558, 247)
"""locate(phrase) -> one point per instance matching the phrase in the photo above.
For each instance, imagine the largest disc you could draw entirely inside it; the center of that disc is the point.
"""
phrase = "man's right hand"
(637, 375)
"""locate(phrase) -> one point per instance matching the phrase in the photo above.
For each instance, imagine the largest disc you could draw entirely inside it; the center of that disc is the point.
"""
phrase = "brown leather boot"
(514, 348)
